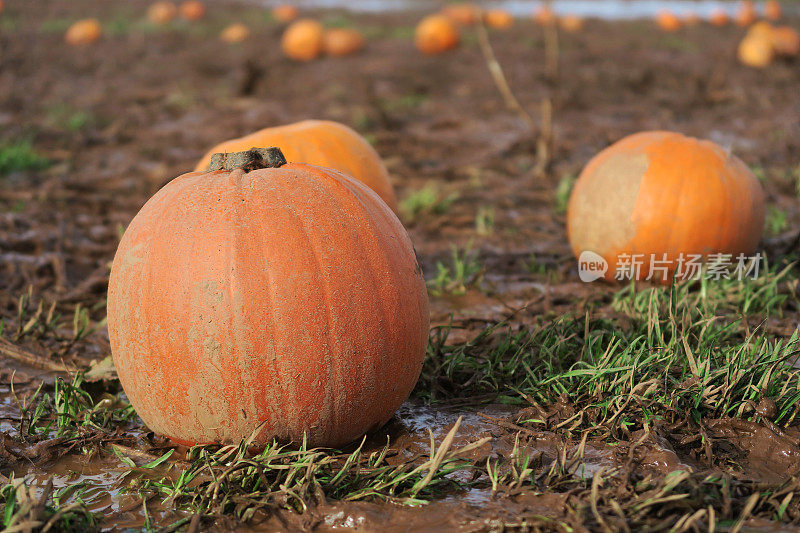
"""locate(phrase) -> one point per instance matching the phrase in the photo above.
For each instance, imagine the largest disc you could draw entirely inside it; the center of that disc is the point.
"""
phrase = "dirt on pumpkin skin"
(118, 120)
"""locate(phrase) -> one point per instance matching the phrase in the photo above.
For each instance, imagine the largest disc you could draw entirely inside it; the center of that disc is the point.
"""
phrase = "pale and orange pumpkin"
(755, 51)
(282, 302)
(436, 34)
(193, 10)
(303, 40)
(162, 12)
(746, 14)
(665, 194)
(83, 32)
(339, 42)
(323, 143)
(235, 33)
(285, 13)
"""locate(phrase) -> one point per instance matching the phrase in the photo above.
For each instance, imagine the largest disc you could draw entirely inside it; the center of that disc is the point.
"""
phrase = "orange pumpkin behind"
(755, 51)
(436, 34)
(323, 143)
(83, 32)
(665, 194)
(544, 16)
(746, 15)
(498, 19)
(303, 40)
(283, 301)
(719, 18)
(571, 23)
(235, 33)
(463, 14)
(786, 41)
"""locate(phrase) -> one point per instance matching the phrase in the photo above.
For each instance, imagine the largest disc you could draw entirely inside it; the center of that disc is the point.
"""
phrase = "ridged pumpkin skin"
(287, 296)
(319, 142)
(661, 192)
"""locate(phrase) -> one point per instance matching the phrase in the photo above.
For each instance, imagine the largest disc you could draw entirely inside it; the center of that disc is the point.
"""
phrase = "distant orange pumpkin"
(498, 19)
(463, 14)
(235, 33)
(285, 13)
(571, 23)
(659, 195)
(303, 40)
(746, 15)
(342, 41)
(82, 32)
(162, 12)
(755, 51)
(786, 41)
(668, 22)
(436, 34)
(719, 18)
(772, 10)
(193, 10)
(544, 16)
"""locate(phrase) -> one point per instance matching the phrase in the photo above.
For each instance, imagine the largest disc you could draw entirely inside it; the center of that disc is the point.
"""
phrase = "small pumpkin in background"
(265, 298)
(436, 34)
(571, 23)
(719, 18)
(162, 13)
(339, 42)
(544, 16)
(235, 33)
(193, 10)
(746, 14)
(786, 41)
(668, 21)
(755, 51)
(772, 10)
(303, 40)
(498, 19)
(285, 13)
(83, 32)
(664, 194)
(463, 14)
(323, 143)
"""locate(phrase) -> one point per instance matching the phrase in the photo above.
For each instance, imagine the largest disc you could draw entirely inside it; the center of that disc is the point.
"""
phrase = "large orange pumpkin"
(193, 10)
(288, 296)
(664, 193)
(82, 32)
(319, 142)
(436, 34)
(162, 12)
(342, 41)
(303, 40)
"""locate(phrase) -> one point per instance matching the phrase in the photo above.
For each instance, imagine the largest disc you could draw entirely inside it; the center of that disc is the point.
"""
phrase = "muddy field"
(546, 404)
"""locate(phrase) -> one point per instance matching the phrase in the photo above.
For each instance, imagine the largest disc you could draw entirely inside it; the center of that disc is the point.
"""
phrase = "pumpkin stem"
(249, 160)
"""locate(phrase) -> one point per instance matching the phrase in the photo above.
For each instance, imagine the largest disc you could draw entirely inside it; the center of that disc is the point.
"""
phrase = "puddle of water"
(606, 9)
